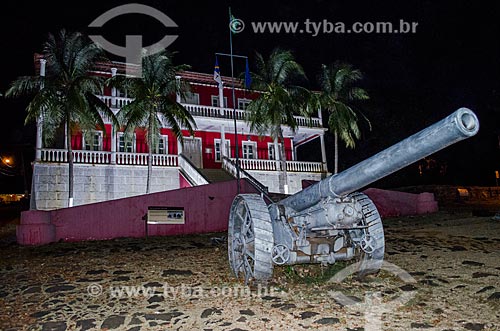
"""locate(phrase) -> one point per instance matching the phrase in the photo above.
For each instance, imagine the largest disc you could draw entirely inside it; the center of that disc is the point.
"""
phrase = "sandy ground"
(184, 283)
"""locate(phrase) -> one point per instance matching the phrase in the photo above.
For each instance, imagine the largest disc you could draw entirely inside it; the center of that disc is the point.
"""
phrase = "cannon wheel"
(373, 256)
(250, 238)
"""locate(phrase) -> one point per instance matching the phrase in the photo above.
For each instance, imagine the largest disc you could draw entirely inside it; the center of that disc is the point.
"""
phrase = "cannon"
(329, 221)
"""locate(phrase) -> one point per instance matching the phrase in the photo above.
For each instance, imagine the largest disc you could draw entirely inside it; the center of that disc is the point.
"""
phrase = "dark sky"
(414, 79)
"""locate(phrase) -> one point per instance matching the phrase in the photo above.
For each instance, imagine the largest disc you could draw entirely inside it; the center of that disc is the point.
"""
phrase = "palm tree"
(67, 94)
(279, 99)
(338, 93)
(154, 104)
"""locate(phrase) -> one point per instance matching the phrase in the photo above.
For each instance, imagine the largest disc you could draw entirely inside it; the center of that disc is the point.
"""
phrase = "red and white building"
(108, 166)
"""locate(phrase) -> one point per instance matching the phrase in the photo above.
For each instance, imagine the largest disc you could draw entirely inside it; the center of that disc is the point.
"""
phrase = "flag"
(217, 76)
(248, 78)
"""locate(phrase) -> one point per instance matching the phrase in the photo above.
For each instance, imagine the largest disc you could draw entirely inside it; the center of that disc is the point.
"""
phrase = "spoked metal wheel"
(250, 238)
(372, 241)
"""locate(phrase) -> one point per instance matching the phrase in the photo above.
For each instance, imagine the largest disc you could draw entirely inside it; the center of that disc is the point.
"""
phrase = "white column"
(320, 115)
(113, 89)
(39, 121)
(221, 99)
(177, 94)
(323, 152)
(223, 141)
(113, 144)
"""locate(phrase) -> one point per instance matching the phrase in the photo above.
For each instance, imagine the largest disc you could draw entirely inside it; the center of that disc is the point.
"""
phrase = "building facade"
(109, 165)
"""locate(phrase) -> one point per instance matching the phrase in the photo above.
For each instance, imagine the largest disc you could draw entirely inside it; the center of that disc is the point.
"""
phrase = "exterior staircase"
(216, 175)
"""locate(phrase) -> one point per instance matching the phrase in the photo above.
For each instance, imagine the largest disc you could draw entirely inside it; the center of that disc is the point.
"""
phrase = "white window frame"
(243, 103)
(271, 151)
(191, 98)
(119, 92)
(165, 145)
(93, 147)
(215, 101)
(217, 150)
(245, 154)
(126, 144)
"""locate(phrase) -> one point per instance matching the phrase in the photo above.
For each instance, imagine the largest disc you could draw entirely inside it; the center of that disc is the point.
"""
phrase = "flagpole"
(234, 107)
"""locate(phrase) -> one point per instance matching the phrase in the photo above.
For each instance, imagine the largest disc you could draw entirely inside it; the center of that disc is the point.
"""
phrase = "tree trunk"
(150, 153)
(70, 163)
(150, 169)
(336, 156)
(283, 159)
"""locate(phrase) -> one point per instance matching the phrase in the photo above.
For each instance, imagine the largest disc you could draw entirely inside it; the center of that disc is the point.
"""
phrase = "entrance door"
(192, 151)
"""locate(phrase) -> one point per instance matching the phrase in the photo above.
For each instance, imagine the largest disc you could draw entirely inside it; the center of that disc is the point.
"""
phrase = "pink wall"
(394, 203)
(206, 207)
(206, 210)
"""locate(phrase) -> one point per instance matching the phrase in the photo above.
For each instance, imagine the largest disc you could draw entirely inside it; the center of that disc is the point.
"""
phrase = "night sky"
(413, 79)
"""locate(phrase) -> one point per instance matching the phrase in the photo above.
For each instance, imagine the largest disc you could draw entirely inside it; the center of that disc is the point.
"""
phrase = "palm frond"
(338, 91)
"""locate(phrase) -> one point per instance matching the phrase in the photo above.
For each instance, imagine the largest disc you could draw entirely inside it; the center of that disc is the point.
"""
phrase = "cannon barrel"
(458, 126)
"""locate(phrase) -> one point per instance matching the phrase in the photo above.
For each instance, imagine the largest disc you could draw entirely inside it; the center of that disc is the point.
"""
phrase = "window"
(215, 101)
(121, 94)
(249, 148)
(243, 103)
(191, 98)
(271, 151)
(92, 141)
(162, 147)
(218, 156)
(125, 145)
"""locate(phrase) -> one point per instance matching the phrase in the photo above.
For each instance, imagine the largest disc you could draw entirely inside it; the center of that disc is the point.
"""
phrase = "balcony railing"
(90, 157)
(101, 157)
(272, 165)
(167, 160)
(142, 159)
(209, 111)
(118, 101)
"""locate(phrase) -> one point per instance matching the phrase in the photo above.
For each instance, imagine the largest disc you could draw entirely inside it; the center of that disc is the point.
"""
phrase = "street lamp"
(7, 160)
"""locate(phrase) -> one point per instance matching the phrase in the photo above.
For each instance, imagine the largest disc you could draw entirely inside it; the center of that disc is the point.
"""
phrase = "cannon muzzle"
(458, 126)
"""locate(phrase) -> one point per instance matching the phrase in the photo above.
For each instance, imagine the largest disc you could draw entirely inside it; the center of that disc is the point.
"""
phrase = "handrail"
(190, 170)
(230, 167)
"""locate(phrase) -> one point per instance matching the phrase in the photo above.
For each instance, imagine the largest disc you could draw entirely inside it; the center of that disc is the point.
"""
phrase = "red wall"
(206, 210)
(208, 142)
(205, 93)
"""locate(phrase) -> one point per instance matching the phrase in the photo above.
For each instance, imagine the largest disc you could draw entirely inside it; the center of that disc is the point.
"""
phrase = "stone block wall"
(96, 183)
(271, 180)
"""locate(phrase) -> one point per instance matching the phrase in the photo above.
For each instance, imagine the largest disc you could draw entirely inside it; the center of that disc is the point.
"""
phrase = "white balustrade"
(311, 122)
(210, 111)
(272, 165)
(90, 157)
(191, 172)
(165, 160)
(118, 101)
(103, 157)
(106, 99)
(300, 166)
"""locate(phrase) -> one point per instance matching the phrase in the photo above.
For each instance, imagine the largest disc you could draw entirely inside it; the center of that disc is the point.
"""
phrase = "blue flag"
(248, 78)
(217, 76)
